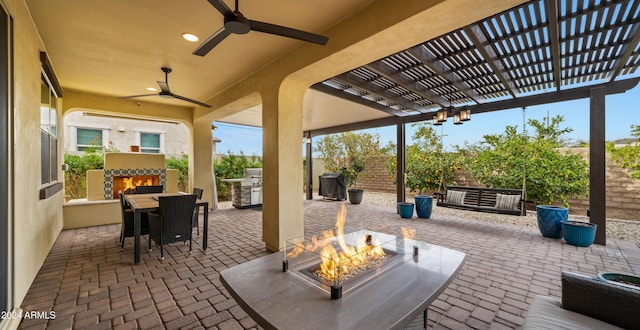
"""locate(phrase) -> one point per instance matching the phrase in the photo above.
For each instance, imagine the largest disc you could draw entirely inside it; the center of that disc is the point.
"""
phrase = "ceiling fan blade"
(164, 87)
(221, 7)
(288, 32)
(140, 95)
(213, 41)
(191, 100)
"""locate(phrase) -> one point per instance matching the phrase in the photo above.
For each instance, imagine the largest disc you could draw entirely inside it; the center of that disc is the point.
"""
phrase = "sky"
(622, 110)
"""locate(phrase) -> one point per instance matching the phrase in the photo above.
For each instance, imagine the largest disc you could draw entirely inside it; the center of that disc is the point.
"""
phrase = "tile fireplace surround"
(100, 183)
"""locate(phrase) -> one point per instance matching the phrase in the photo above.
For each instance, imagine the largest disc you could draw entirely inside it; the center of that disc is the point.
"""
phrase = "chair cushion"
(509, 202)
(600, 299)
(547, 313)
(455, 197)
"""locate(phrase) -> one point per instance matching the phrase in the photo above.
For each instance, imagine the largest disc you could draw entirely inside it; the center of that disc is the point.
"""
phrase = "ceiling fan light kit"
(235, 22)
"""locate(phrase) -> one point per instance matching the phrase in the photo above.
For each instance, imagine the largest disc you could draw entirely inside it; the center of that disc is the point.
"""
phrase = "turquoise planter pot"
(405, 210)
(424, 205)
(550, 218)
(579, 233)
(627, 280)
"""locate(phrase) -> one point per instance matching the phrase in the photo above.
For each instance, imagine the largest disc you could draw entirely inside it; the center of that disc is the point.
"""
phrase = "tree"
(427, 166)
(348, 153)
(627, 156)
(501, 161)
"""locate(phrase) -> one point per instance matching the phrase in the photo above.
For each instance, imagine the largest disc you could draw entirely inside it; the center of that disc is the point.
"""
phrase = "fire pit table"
(279, 291)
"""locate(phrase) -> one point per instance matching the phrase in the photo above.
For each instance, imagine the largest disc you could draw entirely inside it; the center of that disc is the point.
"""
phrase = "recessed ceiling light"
(190, 37)
(151, 89)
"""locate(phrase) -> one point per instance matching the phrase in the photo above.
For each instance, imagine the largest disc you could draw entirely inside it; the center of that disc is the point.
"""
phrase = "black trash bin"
(332, 186)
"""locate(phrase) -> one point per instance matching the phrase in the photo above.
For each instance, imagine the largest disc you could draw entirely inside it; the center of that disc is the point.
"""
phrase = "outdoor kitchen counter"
(278, 300)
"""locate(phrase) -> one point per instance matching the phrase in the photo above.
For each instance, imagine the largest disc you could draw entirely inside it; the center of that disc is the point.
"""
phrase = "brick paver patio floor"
(90, 283)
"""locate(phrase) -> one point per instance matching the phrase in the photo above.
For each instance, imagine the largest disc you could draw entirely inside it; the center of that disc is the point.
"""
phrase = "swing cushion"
(508, 202)
(456, 197)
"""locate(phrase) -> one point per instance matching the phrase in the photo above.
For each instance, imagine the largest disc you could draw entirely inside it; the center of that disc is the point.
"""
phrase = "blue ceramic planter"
(405, 210)
(424, 205)
(550, 218)
(579, 233)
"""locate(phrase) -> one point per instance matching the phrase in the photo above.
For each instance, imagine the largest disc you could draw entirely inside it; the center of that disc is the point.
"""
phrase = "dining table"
(144, 203)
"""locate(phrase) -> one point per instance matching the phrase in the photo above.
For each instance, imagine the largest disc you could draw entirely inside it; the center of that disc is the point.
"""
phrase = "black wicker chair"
(196, 212)
(126, 230)
(149, 189)
(173, 222)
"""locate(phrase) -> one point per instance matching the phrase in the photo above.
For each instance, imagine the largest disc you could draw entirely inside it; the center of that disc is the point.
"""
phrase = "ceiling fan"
(166, 92)
(235, 22)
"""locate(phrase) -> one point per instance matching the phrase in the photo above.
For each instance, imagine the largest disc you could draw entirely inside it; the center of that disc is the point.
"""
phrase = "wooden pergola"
(544, 51)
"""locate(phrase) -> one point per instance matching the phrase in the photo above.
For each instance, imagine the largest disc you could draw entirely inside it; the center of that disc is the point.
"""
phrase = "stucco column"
(282, 201)
(200, 174)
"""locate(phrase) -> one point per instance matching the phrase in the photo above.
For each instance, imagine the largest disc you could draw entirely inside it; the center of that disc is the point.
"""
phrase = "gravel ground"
(628, 230)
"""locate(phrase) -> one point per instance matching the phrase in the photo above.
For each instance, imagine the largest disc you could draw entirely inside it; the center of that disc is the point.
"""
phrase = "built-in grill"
(247, 191)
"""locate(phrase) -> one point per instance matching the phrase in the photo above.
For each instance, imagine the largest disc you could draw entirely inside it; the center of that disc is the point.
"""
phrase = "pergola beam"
(370, 88)
(477, 36)
(554, 37)
(379, 68)
(430, 60)
(615, 87)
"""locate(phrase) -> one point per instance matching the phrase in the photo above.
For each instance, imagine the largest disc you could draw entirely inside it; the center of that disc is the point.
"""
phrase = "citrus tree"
(347, 153)
(628, 156)
(501, 161)
(427, 165)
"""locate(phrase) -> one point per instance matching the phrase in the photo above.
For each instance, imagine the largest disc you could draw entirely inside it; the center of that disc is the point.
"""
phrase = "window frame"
(104, 135)
(161, 137)
(48, 130)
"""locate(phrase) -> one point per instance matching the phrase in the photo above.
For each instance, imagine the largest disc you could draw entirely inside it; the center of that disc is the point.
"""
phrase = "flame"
(335, 265)
(129, 183)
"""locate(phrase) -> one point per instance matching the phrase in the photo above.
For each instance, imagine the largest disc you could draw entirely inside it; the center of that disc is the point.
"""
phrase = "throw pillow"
(455, 197)
(509, 202)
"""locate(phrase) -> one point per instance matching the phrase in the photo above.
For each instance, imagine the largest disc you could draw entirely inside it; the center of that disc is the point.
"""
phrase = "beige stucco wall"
(126, 160)
(102, 213)
(36, 223)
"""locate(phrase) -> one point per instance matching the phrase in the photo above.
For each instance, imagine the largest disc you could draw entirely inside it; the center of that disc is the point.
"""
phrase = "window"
(88, 138)
(150, 142)
(48, 132)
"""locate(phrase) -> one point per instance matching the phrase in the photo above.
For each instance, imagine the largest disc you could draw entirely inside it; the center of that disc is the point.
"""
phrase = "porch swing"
(493, 200)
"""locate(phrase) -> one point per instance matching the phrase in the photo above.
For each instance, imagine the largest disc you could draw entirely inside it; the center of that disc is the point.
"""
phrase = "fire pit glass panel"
(344, 261)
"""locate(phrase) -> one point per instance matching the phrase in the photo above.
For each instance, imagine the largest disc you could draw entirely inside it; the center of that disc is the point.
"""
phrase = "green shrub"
(230, 167)
(182, 165)
(627, 156)
(75, 177)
